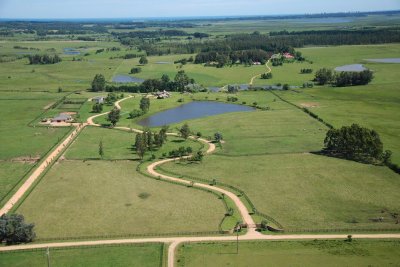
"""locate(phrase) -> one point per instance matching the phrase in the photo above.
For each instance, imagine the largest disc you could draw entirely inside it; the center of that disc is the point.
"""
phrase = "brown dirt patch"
(68, 113)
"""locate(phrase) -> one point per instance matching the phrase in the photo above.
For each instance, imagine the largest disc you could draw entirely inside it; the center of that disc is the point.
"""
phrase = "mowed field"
(308, 192)
(101, 198)
(143, 255)
(291, 253)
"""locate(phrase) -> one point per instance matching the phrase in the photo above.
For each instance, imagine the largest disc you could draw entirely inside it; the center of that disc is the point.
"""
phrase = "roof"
(62, 117)
(98, 98)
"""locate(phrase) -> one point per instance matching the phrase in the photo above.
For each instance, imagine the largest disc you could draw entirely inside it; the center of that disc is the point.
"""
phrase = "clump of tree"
(232, 99)
(14, 229)
(143, 60)
(277, 61)
(111, 98)
(136, 70)
(147, 141)
(97, 108)
(144, 104)
(356, 143)
(233, 89)
(43, 59)
(113, 116)
(135, 113)
(344, 78)
(197, 157)
(98, 83)
(180, 152)
(266, 76)
(306, 71)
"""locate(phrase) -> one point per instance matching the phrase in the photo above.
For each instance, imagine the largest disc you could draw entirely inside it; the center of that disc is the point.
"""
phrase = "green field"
(105, 198)
(305, 191)
(126, 255)
(11, 173)
(291, 253)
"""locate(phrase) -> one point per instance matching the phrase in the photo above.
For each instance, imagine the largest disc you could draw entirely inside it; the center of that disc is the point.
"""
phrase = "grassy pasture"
(291, 253)
(128, 255)
(11, 173)
(305, 191)
(114, 199)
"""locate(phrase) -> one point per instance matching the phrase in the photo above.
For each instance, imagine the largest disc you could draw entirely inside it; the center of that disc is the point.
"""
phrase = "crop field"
(129, 255)
(305, 191)
(291, 253)
(114, 199)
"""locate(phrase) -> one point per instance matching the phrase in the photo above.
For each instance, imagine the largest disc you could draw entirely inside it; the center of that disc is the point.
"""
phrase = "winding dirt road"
(258, 75)
(174, 242)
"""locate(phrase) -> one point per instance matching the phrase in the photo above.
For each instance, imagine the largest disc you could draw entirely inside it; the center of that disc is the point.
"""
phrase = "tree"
(185, 131)
(135, 113)
(354, 142)
(60, 89)
(143, 60)
(233, 89)
(140, 145)
(285, 87)
(98, 83)
(101, 150)
(145, 104)
(323, 76)
(163, 134)
(14, 230)
(114, 116)
(181, 80)
(218, 137)
(136, 70)
(97, 108)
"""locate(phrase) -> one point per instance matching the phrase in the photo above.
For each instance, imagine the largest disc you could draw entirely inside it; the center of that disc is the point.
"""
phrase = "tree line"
(43, 59)
(344, 78)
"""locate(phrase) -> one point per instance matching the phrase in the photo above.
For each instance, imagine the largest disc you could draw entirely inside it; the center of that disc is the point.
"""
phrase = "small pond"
(163, 62)
(353, 68)
(192, 110)
(71, 51)
(126, 79)
(384, 60)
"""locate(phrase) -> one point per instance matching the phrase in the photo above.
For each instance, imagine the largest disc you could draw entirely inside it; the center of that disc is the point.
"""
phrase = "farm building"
(98, 99)
(62, 117)
(288, 56)
(162, 95)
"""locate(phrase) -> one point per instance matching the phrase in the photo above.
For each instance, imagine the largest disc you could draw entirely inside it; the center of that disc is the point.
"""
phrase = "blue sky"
(180, 8)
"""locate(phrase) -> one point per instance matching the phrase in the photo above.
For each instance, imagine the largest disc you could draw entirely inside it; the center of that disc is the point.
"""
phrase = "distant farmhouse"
(62, 117)
(162, 95)
(98, 99)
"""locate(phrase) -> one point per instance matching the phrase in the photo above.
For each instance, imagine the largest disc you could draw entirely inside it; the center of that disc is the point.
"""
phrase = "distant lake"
(192, 110)
(163, 62)
(126, 79)
(71, 51)
(384, 60)
(351, 68)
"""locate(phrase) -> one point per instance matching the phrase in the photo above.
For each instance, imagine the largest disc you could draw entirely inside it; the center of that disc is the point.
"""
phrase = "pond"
(384, 60)
(193, 110)
(352, 68)
(163, 62)
(126, 79)
(71, 51)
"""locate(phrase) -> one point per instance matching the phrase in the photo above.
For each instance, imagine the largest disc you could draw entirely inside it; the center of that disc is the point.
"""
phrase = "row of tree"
(14, 229)
(43, 59)
(341, 79)
(147, 141)
(222, 58)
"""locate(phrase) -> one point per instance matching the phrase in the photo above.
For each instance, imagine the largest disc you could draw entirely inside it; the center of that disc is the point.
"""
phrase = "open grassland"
(11, 173)
(306, 191)
(118, 144)
(207, 76)
(291, 253)
(17, 138)
(68, 74)
(332, 57)
(128, 255)
(98, 198)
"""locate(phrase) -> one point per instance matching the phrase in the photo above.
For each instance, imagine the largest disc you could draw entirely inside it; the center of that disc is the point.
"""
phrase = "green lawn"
(11, 173)
(291, 253)
(98, 198)
(126, 255)
(305, 191)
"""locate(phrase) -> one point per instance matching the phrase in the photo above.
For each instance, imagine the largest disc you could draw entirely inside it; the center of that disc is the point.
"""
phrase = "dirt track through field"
(258, 75)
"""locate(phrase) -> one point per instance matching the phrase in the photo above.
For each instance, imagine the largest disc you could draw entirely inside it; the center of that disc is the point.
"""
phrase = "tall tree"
(185, 131)
(181, 80)
(14, 229)
(101, 150)
(143, 60)
(98, 83)
(114, 116)
(145, 104)
(140, 145)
